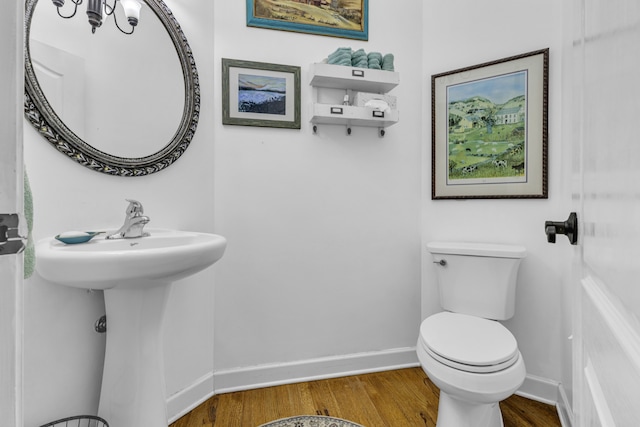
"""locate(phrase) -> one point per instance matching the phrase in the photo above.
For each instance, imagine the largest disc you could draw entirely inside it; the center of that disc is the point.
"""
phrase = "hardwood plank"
(260, 410)
(290, 401)
(518, 411)
(306, 400)
(228, 410)
(324, 401)
(353, 402)
(399, 398)
(203, 415)
(394, 408)
(417, 394)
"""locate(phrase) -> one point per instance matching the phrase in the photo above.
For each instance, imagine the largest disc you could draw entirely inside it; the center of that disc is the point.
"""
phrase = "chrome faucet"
(134, 222)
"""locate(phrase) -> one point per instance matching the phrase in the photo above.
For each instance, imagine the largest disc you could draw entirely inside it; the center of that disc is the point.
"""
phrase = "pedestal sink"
(136, 276)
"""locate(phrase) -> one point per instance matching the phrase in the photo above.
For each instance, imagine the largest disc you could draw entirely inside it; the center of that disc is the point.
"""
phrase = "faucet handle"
(135, 207)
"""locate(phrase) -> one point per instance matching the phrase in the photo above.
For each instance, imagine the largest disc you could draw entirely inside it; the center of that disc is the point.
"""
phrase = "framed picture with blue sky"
(260, 94)
(338, 18)
(490, 129)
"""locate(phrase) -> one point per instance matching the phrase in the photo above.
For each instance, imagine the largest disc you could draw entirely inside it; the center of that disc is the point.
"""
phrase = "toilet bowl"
(474, 362)
(471, 357)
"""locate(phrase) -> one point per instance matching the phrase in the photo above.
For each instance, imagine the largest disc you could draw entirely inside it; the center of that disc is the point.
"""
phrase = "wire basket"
(79, 421)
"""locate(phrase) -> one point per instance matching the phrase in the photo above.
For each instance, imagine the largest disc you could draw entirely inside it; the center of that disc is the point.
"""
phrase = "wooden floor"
(400, 398)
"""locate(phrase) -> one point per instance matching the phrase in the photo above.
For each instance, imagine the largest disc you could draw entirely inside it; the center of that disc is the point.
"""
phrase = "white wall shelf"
(359, 79)
(349, 79)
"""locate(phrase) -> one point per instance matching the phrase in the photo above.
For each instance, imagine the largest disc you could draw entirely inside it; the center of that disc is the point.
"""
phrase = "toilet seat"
(468, 343)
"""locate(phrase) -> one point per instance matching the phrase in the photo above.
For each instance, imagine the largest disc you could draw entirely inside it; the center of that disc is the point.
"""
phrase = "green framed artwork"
(337, 18)
(260, 94)
(490, 129)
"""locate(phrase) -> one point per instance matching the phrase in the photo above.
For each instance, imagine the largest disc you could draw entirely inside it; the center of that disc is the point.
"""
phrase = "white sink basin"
(164, 256)
(136, 276)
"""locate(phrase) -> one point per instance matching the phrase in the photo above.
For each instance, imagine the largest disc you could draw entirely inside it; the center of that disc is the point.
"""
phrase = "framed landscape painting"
(337, 18)
(260, 94)
(490, 128)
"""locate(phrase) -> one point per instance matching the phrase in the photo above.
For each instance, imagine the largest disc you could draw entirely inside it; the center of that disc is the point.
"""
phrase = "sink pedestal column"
(133, 385)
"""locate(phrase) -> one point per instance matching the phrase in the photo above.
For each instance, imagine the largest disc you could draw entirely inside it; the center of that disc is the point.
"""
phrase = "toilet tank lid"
(477, 249)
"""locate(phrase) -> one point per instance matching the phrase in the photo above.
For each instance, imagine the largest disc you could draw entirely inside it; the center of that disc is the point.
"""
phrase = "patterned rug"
(311, 421)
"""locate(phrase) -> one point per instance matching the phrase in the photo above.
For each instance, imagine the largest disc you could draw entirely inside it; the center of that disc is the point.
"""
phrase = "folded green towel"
(387, 62)
(340, 58)
(361, 59)
(30, 250)
(339, 52)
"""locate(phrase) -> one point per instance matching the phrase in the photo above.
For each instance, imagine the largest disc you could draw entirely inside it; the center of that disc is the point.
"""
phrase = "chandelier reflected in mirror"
(99, 10)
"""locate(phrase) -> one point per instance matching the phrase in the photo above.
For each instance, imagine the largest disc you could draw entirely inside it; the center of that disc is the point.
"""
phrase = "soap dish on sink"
(74, 237)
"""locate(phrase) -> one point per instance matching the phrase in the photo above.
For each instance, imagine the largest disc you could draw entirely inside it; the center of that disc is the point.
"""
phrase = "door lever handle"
(568, 227)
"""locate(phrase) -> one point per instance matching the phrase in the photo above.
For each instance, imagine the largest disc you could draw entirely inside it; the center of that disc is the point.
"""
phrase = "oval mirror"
(124, 105)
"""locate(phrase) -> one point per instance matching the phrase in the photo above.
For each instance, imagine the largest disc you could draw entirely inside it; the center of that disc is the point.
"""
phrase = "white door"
(11, 95)
(607, 114)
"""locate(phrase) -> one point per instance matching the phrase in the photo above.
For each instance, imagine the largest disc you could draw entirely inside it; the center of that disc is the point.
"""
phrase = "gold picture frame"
(490, 129)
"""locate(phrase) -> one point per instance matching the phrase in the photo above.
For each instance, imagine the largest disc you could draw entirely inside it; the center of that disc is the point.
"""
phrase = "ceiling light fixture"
(99, 9)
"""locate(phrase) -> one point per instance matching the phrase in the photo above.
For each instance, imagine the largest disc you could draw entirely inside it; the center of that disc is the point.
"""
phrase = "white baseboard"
(229, 380)
(549, 392)
(182, 402)
(539, 389)
(565, 413)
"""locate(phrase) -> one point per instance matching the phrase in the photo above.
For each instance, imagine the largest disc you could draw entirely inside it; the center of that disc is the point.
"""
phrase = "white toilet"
(472, 358)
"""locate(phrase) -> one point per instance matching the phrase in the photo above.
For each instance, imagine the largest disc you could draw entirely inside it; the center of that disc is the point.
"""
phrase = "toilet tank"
(478, 279)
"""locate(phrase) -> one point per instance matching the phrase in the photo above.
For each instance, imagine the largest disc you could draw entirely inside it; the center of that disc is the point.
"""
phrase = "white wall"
(63, 355)
(324, 244)
(462, 33)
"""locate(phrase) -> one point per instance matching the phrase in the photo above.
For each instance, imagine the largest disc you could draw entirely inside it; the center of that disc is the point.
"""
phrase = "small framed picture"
(260, 94)
(338, 18)
(489, 129)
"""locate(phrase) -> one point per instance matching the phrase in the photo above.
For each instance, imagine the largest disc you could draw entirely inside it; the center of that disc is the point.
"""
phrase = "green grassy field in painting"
(348, 18)
(477, 149)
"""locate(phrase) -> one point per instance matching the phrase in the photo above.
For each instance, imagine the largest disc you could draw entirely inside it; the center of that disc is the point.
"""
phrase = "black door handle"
(568, 227)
